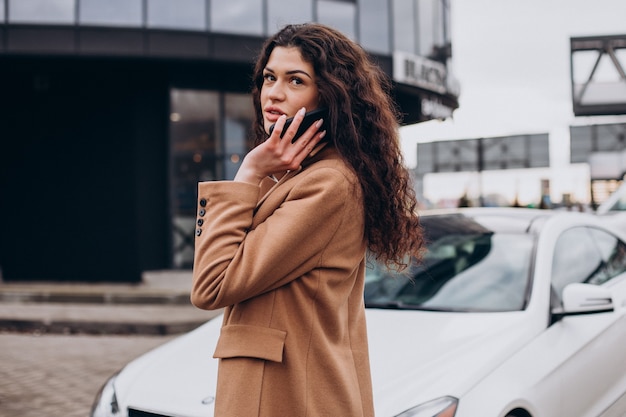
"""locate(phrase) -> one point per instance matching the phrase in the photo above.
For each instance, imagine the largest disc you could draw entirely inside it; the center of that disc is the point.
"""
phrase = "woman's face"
(288, 85)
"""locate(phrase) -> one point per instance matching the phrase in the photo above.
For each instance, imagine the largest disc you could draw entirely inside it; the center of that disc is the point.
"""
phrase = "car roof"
(493, 219)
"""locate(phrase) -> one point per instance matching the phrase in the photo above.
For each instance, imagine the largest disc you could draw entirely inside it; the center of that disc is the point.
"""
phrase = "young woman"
(283, 247)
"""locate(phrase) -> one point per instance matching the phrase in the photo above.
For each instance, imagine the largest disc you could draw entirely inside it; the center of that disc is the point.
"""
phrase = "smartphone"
(309, 118)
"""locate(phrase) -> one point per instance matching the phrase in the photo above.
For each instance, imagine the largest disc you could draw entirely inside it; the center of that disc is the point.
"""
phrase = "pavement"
(158, 305)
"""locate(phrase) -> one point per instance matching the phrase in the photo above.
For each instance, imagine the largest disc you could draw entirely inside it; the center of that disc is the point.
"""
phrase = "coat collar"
(321, 151)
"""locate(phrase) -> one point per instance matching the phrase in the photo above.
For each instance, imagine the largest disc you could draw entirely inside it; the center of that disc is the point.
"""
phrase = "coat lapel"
(269, 185)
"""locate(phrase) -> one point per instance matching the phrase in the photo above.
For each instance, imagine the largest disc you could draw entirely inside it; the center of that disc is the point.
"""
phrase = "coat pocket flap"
(238, 340)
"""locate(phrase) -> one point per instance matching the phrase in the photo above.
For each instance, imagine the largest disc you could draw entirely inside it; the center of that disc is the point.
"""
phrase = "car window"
(578, 258)
(465, 268)
(613, 253)
(620, 203)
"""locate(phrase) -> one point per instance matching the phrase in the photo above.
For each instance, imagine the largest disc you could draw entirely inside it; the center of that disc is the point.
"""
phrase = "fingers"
(295, 144)
(288, 128)
(310, 137)
(305, 146)
(279, 126)
(303, 130)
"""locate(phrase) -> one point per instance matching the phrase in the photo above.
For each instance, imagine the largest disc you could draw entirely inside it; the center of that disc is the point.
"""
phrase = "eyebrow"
(296, 71)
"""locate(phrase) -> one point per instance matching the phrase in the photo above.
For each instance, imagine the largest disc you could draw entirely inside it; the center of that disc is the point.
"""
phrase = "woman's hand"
(276, 155)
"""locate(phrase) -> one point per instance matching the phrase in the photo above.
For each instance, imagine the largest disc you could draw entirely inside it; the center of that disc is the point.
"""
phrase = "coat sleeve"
(233, 263)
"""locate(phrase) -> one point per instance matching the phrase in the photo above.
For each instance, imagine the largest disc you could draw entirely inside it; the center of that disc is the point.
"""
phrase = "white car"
(513, 312)
(613, 210)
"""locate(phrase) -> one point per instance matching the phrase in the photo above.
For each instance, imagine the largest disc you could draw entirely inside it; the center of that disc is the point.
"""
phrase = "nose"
(276, 91)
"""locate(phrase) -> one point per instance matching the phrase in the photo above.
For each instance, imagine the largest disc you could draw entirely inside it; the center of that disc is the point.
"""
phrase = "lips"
(272, 114)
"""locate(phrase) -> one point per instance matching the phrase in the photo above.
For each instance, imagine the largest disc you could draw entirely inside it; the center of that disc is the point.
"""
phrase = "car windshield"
(467, 267)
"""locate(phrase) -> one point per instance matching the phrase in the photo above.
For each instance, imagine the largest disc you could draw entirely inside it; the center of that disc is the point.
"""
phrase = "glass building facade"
(168, 81)
(415, 26)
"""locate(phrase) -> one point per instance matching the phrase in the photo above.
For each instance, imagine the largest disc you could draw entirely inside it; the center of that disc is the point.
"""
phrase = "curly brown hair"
(363, 125)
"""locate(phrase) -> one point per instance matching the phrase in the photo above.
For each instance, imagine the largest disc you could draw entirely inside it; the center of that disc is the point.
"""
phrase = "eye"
(267, 77)
(296, 81)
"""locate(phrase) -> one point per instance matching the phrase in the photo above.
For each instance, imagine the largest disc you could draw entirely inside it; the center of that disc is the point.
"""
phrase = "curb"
(92, 298)
(96, 328)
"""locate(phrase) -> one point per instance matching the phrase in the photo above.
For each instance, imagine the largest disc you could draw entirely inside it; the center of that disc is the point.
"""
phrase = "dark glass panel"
(237, 16)
(42, 11)
(179, 14)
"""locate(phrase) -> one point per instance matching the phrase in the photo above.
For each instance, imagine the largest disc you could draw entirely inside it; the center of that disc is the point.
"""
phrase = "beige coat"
(286, 260)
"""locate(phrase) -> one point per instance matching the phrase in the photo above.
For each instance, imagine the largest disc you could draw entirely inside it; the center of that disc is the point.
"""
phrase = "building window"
(339, 14)
(42, 11)
(194, 146)
(374, 31)
(430, 15)
(420, 26)
(237, 16)
(179, 14)
(283, 12)
(404, 30)
(209, 136)
(238, 117)
(111, 12)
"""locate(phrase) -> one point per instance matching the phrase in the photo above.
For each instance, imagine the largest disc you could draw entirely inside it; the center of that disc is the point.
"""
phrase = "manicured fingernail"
(322, 134)
(319, 123)
(302, 111)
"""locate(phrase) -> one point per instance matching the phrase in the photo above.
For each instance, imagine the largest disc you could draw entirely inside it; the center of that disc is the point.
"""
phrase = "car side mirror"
(584, 299)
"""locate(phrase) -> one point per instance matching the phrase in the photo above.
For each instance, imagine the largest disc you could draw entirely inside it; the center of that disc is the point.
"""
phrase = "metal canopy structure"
(598, 75)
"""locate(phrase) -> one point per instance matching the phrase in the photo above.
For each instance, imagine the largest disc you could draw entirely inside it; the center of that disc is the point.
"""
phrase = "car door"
(593, 365)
